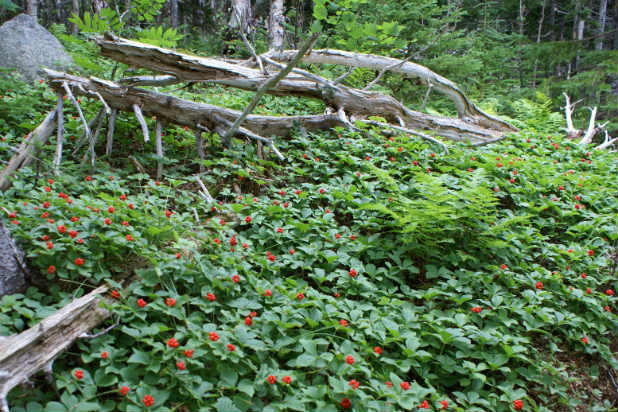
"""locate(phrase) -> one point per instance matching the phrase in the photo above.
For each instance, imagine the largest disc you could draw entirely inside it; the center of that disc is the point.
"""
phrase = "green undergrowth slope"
(375, 273)
(365, 273)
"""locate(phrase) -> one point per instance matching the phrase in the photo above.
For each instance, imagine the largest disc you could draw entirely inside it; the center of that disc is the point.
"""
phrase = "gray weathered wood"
(28, 149)
(24, 354)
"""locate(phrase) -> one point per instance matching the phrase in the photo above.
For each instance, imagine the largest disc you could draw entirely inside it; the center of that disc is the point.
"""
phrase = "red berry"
(213, 336)
(271, 379)
(172, 343)
(141, 303)
(104, 355)
(124, 390)
(349, 360)
(148, 401)
(79, 374)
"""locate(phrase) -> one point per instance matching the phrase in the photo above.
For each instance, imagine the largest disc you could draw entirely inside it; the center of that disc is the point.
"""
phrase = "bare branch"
(205, 193)
(429, 87)
(385, 69)
(270, 83)
(165, 80)
(344, 75)
(246, 41)
(60, 135)
(142, 121)
(101, 333)
(111, 124)
(159, 146)
(107, 109)
(79, 109)
(587, 139)
(409, 131)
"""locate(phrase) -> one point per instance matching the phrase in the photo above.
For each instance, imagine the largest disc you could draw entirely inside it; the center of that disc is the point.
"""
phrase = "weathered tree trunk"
(602, 22)
(35, 349)
(241, 9)
(75, 4)
(98, 5)
(538, 42)
(32, 8)
(473, 123)
(467, 110)
(275, 26)
(174, 13)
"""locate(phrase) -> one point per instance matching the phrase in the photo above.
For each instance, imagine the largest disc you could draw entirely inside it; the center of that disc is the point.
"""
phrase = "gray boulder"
(25, 45)
(12, 265)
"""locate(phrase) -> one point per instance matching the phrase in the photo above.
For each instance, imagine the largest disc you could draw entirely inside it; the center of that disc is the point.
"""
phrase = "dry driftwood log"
(35, 349)
(473, 124)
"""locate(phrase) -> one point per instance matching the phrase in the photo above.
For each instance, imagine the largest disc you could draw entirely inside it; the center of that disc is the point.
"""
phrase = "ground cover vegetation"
(367, 271)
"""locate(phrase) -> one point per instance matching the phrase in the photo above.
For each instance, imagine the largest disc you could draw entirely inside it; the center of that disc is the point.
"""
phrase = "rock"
(12, 279)
(27, 46)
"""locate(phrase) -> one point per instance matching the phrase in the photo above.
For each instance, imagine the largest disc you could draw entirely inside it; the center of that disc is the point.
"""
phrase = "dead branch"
(587, 139)
(474, 125)
(248, 44)
(385, 69)
(111, 124)
(60, 135)
(142, 121)
(149, 80)
(466, 108)
(205, 193)
(28, 148)
(408, 131)
(159, 146)
(79, 109)
(24, 354)
(268, 85)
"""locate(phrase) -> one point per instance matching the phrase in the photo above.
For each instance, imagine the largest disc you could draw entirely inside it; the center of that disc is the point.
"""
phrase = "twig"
(429, 87)
(111, 124)
(385, 69)
(200, 148)
(84, 137)
(103, 332)
(246, 41)
(344, 75)
(60, 134)
(205, 191)
(79, 109)
(269, 84)
(107, 109)
(304, 73)
(195, 215)
(405, 130)
(142, 122)
(159, 145)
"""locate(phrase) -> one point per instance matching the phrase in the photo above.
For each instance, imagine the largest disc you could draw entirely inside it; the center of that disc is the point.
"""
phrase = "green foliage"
(8, 5)
(146, 10)
(158, 37)
(108, 20)
(395, 239)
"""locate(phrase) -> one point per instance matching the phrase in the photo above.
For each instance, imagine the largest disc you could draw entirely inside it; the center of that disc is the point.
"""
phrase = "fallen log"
(35, 349)
(174, 110)
(474, 125)
(467, 110)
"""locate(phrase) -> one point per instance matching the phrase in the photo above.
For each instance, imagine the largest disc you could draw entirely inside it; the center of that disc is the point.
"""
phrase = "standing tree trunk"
(520, 58)
(241, 9)
(538, 42)
(275, 26)
(32, 8)
(74, 28)
(98, 5)
(174, 13)
(602, 21)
